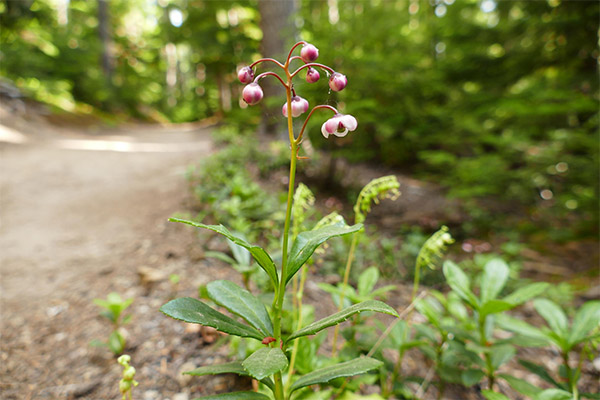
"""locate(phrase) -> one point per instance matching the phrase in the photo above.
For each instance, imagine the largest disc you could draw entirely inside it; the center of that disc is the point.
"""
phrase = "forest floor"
(84, 213)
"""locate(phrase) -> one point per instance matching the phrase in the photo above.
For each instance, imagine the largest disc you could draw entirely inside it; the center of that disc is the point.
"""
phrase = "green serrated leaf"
(265, 362)
(587, 317)
(493, 279)
(236, 396)
(348, 368)
(234, 367)
(525, 293)
(307, 242)
(260, 255)
(459, 282)
(554, 316)
(241, 303)
(491, 395)
(341, 316)
(192, 310)
(521, 385)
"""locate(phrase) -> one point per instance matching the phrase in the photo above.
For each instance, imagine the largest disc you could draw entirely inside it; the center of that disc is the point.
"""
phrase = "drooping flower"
(339, 125)
(299, 106)
(252, 94)
(337, 82)
(312, 75)
(309, 53)
(246, 75)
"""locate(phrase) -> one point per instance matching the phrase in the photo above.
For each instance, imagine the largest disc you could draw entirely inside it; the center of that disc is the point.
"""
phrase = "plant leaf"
(554, 316)
(348, 368)
(234, 367)
(495, 274)
(521, 327)
(471, 376)
(192, 310)
(501, 354)
(541, 372)
(521, 385)
(307, 242)
(242, 303)
(459, 282)
(495, 306)
(585, 320)
(236, 396)
(554, 394)
(265, 362)
(341, 316)
(260, 255)
(367, 280)
(491, 395)
(525, 293)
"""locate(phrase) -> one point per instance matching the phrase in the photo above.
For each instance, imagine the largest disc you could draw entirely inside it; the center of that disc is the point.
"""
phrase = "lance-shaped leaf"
(307, 242)
(525, 293)
(234, 367)
(585, 320)
(554, 316)
(341, 316)
(349, 368)
(242, 303)
(493, 279)
(236, 396)
(265, 362)
(192, 310)
(491, 395)
(259, 254)
(459, 282)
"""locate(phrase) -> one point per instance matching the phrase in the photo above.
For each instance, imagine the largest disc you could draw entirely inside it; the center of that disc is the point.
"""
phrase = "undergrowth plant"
(113, 308)
(265, 324)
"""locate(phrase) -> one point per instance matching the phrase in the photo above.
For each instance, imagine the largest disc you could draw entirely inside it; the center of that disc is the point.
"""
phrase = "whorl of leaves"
(377, 189)
(433, 249)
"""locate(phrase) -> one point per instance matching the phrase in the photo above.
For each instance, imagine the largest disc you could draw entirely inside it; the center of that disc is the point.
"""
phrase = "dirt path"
(81, 212)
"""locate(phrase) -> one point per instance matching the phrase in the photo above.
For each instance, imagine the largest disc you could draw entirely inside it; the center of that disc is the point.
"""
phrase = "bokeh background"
(497, 101)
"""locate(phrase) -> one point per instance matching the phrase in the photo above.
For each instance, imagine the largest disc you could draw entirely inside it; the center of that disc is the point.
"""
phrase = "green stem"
(570, 376)
(488, 359)
(286, 230)
(300, 294)
(344, 285)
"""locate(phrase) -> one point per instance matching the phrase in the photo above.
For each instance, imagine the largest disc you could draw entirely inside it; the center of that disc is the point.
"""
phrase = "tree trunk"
(105, 38)
(278, 30)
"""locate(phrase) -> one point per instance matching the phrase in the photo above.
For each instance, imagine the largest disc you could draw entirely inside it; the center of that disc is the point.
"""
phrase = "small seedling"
(114, 307)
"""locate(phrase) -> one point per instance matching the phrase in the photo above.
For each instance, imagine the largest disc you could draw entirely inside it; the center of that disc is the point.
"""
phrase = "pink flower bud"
(246, 75)
(309, 53)
(339, 125)
(299, 106)
(312, 75)
(252, 94)
(337, 82)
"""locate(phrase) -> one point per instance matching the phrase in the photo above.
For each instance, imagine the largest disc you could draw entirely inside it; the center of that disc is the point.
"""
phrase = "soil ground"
(83, 213)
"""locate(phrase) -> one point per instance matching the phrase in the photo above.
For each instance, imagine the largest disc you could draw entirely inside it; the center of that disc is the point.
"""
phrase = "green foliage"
(335, 319)
(499, 106)
(348, 368)
(114, 307)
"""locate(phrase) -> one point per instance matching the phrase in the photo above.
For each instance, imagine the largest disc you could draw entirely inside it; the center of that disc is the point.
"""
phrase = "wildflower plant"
(269, 363)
